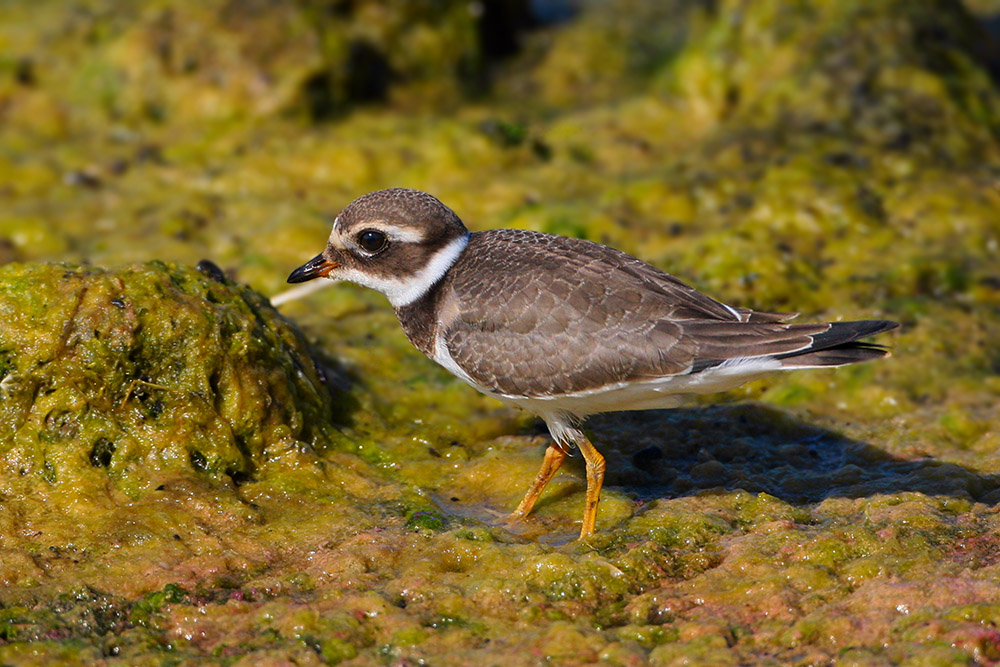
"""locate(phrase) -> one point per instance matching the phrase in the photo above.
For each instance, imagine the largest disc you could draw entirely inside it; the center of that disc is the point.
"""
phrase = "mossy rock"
(145, 372)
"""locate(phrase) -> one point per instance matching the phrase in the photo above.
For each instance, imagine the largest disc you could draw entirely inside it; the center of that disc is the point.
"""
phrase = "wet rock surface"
(835, 158)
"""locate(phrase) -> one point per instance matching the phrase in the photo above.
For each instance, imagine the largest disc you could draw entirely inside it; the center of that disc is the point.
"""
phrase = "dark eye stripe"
(372, 240)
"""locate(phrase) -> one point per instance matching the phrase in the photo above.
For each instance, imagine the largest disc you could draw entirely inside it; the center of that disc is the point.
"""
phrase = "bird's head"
(398, 241)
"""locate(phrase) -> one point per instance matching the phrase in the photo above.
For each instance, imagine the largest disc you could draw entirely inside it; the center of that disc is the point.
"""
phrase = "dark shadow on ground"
(338, 380)
(672, 453)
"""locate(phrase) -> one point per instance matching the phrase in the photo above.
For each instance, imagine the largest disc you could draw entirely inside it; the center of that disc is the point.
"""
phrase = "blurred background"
(840, 158)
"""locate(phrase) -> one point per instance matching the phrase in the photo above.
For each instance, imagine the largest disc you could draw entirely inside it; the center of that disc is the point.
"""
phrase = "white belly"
(661, 392)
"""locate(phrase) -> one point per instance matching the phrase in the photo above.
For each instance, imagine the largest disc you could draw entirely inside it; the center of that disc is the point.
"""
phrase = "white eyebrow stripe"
(404, 234)
(395, 232)
(335, 239)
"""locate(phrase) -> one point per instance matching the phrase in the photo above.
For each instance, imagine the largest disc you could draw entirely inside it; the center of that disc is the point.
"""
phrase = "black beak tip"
(316, 267)
(299, 275)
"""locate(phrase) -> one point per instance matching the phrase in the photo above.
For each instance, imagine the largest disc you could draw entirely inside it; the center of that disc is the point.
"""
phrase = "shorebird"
(563, 327)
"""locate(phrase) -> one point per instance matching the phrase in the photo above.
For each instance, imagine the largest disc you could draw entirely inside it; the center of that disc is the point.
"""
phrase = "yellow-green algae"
(837, 157)
(147, 371)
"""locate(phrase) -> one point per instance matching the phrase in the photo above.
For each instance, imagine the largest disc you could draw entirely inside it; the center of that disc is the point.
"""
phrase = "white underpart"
(404, 291)
(559, 411)
(562, 413)
(442, 355)
(562, 428)
(562, 425)
(662, 392)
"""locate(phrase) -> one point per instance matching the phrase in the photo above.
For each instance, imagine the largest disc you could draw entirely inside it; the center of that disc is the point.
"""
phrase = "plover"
(563, 327)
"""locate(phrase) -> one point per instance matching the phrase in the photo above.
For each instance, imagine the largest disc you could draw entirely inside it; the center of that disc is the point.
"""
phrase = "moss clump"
(147, 372)
(425, 521)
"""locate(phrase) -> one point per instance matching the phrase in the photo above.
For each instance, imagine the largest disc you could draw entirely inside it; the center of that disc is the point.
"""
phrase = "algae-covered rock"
(144, 373)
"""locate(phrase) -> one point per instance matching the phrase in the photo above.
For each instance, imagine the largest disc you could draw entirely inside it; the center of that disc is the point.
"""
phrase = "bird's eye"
(372, 240)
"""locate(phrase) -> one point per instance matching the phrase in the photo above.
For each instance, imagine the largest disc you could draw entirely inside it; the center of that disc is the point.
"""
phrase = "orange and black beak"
(317, 267)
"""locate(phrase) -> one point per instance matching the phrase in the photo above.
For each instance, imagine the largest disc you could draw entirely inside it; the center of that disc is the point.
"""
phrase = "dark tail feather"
(851, 353)
(839, 345)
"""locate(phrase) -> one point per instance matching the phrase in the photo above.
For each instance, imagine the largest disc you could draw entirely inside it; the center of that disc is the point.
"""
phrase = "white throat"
(404, 291)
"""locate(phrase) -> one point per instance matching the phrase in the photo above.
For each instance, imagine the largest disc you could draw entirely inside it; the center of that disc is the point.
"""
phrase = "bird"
(563, 327)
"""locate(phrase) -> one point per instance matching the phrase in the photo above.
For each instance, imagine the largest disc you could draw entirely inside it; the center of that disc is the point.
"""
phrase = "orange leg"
(554, 457)
(595, 480)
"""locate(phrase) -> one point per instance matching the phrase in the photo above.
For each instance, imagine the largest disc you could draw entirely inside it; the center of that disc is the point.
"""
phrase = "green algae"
(838, 158)
(146, 373)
